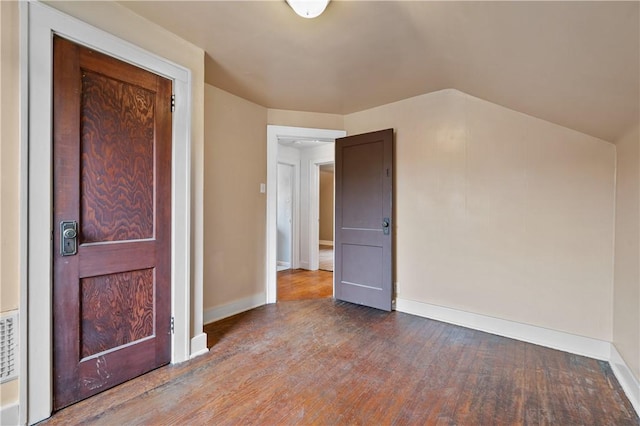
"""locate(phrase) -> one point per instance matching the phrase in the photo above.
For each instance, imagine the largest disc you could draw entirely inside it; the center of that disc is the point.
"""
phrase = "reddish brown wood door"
(112, 178)
(363, 219)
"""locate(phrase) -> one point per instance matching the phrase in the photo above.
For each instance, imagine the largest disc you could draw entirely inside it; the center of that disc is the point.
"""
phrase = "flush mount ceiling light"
(308, 8)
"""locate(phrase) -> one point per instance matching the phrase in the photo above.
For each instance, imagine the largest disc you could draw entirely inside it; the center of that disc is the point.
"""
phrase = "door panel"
(362, 186)
(364, 196)
(117, 178)
(112, 175)
(131, 293)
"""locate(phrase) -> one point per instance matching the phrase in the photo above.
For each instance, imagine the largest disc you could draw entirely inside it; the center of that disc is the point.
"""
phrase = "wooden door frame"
(273, 134)
(37, 23)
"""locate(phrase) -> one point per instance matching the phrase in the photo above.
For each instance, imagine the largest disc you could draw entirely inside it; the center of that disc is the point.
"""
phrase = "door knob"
(385, 226)
(68, 237)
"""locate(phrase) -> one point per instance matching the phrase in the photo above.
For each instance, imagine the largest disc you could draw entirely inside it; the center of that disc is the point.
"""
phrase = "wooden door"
(112, 177)
(363, 219)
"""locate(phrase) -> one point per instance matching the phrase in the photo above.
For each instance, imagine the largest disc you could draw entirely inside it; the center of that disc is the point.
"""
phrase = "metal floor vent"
(8, 346)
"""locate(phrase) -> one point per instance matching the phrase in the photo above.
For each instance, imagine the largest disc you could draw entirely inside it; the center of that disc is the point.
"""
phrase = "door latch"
(385, 226)
(68, 237)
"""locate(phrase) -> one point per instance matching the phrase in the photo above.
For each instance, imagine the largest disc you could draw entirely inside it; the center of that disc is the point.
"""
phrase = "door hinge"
(173, 103)
(173, 325)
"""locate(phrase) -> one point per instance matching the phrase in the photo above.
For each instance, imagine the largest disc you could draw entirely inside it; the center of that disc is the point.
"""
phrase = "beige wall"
(235, 158)
(9, 156)
(626, 301)
(315, 120)
(499, 213)
(9, 173)
(326, 205)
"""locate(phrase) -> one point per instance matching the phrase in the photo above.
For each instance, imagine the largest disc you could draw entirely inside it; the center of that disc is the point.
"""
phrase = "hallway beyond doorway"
(325, 258)
(300, 284)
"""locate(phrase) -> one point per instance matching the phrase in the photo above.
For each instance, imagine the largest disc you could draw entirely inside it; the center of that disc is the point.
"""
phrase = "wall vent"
(8, 346)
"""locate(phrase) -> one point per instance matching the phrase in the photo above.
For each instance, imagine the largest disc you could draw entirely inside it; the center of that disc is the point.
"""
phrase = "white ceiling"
(572, 63)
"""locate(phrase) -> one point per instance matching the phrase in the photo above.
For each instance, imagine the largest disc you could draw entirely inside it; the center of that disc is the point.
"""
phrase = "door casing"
(273, 134)
(293, 207)
(314, 209)
(37, 23)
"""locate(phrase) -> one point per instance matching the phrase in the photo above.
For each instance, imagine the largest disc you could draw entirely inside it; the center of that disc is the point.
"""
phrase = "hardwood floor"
(331, 363)
(325, 258)
(300, 284)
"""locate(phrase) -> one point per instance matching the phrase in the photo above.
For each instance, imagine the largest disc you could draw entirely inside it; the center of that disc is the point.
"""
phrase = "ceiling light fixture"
(308, 8)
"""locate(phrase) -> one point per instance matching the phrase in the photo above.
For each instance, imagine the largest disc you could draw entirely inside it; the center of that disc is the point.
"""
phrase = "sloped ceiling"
(576, 64)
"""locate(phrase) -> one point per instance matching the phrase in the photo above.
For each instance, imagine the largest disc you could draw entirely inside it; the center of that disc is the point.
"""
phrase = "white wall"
(291, 156)
(284, 214)
(499, 213)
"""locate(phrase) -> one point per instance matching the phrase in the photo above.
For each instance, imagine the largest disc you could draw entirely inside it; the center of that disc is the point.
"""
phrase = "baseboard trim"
(10, 414)
(198, 345)
(625, 376)
(283, 263)
(326, 243)
(567, 342)
(223, 311)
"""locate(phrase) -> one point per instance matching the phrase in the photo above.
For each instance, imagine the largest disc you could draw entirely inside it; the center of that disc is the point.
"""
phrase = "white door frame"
(314, 210)
(295, 211)
(273, 134)
(38, 22)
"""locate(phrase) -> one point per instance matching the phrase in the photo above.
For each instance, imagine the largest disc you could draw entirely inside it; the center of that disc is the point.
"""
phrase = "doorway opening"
(298, 283)
(304, 150)
(325, 217)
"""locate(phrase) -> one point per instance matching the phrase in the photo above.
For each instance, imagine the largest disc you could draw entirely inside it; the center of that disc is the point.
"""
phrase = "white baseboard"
(198, 345)
(10, 415)
(223, 311)
(625, 376)
(283, 263)
(304, 264)
(326, 243)
(554, 339)
(567, 342)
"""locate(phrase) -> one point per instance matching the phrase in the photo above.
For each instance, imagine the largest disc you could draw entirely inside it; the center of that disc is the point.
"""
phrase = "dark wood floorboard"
(300, 284)
(332, 363)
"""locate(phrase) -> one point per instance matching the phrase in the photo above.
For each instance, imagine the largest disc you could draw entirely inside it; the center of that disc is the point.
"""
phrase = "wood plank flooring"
(332, 363)
(325, 258)
(300, 284)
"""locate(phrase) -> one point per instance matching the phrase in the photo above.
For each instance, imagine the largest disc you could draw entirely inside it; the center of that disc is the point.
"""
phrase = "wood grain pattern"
(116, 309)
(322, 362)
(121, 146)
(117, 159)
(300, 284)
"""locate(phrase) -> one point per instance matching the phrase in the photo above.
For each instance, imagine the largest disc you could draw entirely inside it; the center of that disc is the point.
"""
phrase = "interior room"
(515, 220)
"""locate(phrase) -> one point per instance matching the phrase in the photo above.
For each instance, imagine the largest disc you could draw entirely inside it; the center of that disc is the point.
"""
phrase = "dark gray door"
(363, 235)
